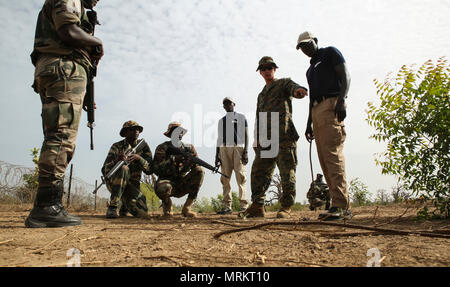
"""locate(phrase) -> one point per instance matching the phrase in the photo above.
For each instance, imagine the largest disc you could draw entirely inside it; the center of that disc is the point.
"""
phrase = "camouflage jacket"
(166, 166)
(277, 97)
(54, 15)
(145, 164)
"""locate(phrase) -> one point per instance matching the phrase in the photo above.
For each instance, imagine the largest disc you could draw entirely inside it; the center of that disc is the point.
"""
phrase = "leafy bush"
(27, 192)
(273, 206)
(359, 192)
(153, 201)
(217, 202)
(277, 205)
(203, 205)
(413, 118)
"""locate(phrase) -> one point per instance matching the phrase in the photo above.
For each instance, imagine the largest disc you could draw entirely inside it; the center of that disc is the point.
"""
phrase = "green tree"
(359, 192)
(413, 118)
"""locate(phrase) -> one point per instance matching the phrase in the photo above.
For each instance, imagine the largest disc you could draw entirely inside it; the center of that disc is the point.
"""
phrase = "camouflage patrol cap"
(172, 126)
(266, 61)
(130, 124)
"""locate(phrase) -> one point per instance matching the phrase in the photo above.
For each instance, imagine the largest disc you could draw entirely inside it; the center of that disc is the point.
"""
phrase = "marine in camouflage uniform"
(176, 175)
(276, 97)
(318, 193)
(124, 185)
(62, 65)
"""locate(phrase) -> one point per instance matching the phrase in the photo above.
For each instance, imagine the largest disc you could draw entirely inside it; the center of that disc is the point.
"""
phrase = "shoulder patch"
(73, 6)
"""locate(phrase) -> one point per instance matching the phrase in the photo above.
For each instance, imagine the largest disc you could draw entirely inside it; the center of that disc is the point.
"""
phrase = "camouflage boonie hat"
(266, 61)
(172, 126)
(130, 124)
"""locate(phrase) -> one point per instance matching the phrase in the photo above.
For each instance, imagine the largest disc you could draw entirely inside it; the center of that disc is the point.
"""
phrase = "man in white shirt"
(232, 154)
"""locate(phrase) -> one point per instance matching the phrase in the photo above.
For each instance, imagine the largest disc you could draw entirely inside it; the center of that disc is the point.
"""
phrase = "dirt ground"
(189, 242)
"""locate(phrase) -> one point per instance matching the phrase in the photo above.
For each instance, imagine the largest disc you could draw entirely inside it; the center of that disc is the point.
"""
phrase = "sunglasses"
(134, 129)
(266, 68)
(305, 44)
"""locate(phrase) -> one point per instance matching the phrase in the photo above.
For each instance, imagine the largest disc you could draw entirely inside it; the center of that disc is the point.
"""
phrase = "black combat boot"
(111, 212)
(48, 210)
(123, 211)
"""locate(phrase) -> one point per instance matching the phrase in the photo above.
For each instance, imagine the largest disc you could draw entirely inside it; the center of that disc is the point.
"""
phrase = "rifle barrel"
(223, 174)
(97, 188)
(198, 161)
(92, 138)
(119, 164)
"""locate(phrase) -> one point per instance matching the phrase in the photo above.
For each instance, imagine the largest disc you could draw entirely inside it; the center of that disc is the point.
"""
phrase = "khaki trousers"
(230, 157)
(330, 136)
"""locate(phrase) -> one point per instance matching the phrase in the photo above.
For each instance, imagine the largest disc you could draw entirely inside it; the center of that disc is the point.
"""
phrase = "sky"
(176, 60)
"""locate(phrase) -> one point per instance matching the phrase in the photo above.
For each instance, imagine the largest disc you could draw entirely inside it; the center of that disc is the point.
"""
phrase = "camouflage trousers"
(61, 84)
(179, 187)
(128, 192)
(262, 172)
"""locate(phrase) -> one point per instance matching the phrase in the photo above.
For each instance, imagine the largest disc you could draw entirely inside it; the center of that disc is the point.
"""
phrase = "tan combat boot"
(254, 210)
(187, 208)
(284, 212)
(167, 208)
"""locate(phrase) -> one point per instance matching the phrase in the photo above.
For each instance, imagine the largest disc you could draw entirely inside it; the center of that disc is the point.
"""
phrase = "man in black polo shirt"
(328, 80)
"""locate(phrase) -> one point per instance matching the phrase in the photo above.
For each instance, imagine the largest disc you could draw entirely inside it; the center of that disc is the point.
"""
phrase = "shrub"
(153, 201)
(359, 192)
(413, 118)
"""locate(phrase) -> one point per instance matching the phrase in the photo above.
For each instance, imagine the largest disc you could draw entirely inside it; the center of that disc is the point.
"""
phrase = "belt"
(319, 100)
(232, 145)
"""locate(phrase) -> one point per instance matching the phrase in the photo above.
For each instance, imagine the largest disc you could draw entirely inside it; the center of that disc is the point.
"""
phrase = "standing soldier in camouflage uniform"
(177, 176)
(62, 57)
(125, 183)
(276, 96)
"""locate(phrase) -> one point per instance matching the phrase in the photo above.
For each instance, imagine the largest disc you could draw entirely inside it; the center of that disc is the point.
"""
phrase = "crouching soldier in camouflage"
(177, 176)
(318, 194)
(125, 183)
(63, 57)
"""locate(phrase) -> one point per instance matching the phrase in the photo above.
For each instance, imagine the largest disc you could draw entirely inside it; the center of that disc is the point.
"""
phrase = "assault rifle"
(121, 163)
(191, 157)
(89, 103)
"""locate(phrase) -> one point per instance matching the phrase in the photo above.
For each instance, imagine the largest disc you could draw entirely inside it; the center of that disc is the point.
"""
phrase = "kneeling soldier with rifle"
(178, 170)
(122, 171)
